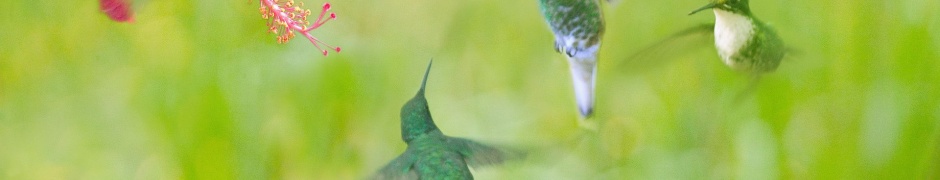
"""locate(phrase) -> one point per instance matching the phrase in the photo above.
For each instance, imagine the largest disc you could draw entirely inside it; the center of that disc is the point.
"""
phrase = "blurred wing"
(792, 52)
(674, 46)
(399, 168)
(478, 155)
(748, 90)
(613, 2)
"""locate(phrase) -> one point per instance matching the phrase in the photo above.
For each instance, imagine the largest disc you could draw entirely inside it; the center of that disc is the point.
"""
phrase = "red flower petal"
(117, 10)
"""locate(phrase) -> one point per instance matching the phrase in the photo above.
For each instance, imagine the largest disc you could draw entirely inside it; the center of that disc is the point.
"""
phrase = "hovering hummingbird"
(743, 42)
(578, 26)
(430, 153)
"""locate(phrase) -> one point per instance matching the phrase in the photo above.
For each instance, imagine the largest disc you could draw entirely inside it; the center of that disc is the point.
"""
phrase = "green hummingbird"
(743, 42)
(578, 26)
(430, 153)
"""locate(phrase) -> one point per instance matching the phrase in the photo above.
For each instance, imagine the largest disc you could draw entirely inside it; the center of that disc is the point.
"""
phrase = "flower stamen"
(289, 17)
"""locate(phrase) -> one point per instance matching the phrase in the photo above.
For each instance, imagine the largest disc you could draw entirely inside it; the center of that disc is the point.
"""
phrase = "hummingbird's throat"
(574, 47)
(732, 33)
(583, 75)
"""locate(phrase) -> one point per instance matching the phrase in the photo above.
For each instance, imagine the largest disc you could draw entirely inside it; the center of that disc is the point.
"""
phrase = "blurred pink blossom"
(117, 10)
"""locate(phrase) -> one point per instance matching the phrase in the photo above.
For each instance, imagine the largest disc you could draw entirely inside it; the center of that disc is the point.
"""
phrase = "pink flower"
(117, 10)
(286, 17)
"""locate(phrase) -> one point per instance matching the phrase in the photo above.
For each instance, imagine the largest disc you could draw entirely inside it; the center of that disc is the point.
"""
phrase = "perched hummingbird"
(743, 42)
(430, 153)
(578, 26)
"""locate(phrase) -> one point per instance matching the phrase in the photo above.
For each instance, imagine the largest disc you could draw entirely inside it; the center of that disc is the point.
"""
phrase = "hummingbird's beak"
(707, 6)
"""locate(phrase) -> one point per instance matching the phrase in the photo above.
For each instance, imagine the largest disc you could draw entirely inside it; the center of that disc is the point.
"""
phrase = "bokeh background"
(199, 90)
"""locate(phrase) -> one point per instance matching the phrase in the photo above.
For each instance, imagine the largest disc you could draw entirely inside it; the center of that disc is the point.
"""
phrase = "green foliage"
(199, 90)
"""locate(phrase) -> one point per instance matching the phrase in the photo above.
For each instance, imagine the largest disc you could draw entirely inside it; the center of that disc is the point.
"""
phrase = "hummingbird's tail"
(583, 74)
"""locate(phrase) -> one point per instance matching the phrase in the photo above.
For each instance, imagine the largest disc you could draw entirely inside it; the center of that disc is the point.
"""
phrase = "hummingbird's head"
(415, 115)
(734, 6)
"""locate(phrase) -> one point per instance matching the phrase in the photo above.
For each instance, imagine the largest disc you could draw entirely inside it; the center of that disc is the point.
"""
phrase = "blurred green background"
(199, 90)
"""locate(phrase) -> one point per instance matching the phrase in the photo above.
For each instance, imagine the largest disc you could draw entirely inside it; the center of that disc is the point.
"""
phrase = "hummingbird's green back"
(764, 51)
(438, 160)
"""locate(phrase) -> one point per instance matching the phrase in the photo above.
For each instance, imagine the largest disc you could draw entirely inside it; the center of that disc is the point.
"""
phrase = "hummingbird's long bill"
(707, 6)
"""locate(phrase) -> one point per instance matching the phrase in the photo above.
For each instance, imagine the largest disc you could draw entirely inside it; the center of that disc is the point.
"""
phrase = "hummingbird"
(578, 26)
(430, 153)
(743, 42)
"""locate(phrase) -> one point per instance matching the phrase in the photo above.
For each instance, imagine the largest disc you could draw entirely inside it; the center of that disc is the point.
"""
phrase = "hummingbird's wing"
(478, 155)
(400, 168)
(671, 48)
(613, 2)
